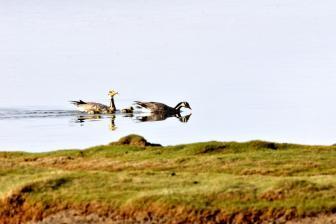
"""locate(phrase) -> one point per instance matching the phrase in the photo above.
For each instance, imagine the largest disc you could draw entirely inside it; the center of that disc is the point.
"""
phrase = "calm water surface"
(40, 129)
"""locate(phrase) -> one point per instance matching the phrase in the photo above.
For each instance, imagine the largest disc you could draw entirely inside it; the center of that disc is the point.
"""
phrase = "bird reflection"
(161, 117)
(112, 126)
(184, 119)
(84, 118)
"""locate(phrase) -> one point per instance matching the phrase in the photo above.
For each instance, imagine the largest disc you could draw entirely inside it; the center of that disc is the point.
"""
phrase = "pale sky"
(54, 51)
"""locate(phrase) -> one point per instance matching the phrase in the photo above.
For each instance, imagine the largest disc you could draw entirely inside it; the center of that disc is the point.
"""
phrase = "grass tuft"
(134, 140)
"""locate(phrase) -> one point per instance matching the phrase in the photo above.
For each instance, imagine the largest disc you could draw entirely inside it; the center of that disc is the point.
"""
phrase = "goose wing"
(153, 106)
(95, 106)
(77, 103)
(89, 106)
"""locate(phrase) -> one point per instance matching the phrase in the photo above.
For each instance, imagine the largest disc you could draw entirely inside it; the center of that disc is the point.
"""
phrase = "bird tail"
(76, 103)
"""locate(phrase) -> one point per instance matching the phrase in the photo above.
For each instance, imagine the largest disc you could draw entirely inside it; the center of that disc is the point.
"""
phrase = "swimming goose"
(160, 108)
(127, 110)
(97, 108)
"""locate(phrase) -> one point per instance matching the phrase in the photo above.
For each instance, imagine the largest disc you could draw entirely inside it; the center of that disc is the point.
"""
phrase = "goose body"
(160, 108)
(92, 107)
(96, 108)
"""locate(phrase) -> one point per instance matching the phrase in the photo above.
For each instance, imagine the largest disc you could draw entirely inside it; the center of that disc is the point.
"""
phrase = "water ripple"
(24, 114)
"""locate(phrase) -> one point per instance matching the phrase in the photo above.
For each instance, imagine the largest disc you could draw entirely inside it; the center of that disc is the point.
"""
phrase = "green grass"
(228, 176)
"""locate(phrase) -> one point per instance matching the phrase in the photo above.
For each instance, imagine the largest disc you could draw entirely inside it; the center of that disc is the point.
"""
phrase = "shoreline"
(134, 181)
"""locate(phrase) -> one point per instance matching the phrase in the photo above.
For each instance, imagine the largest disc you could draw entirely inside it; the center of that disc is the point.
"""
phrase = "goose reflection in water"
(83, 118)
(161, 117)
(112, 126)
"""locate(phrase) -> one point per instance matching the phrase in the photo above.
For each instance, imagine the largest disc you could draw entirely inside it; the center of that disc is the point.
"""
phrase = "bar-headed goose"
(97, 108)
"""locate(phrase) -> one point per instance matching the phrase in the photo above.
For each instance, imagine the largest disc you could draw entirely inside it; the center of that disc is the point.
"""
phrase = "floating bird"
(127, 110)
(160, 108)
(97, 108)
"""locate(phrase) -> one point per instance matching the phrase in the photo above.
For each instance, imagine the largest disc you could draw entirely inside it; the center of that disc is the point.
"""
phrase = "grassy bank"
(203, 182)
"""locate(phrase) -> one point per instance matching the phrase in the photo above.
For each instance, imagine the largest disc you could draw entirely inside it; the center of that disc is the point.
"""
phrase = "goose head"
(112, 93)
(183, 104)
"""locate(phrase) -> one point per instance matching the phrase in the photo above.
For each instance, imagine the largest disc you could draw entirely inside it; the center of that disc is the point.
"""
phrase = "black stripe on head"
(178, 105)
